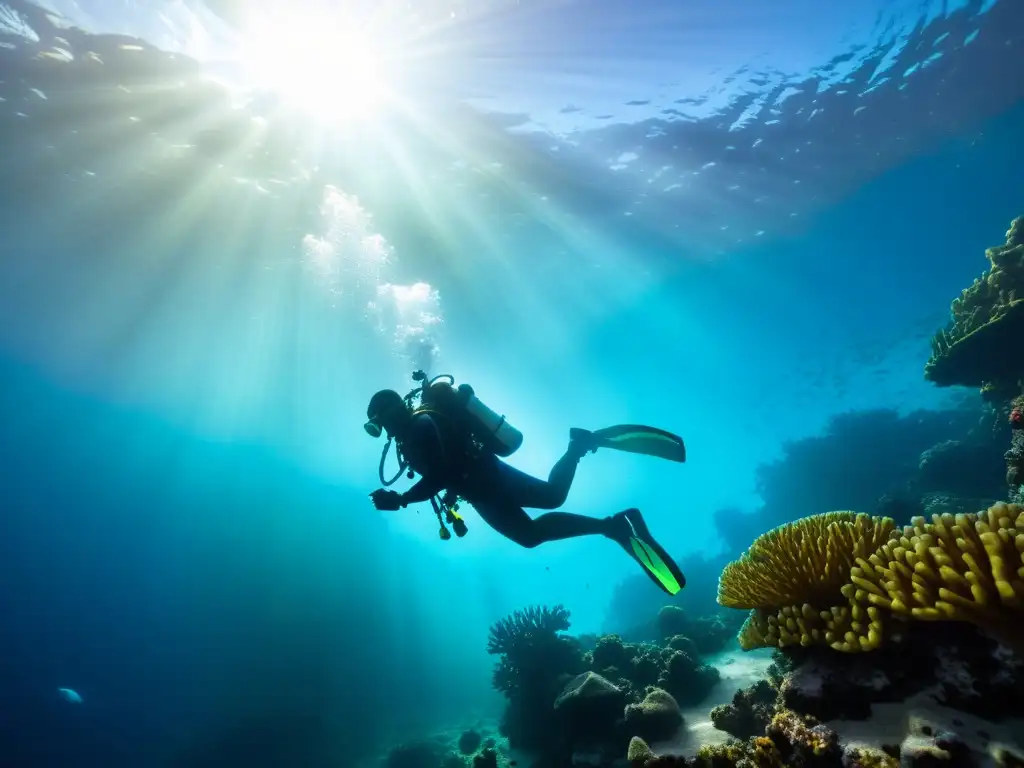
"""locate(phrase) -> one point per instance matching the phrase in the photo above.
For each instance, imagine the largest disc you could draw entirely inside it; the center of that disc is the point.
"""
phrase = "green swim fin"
(657, 564)
(637, 438)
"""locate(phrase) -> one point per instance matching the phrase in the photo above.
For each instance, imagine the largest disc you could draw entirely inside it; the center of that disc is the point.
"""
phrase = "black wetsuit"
(497, 491)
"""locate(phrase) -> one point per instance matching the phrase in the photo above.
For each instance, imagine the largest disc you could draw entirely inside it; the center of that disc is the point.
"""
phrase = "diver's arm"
(423, 489)
(424, 442)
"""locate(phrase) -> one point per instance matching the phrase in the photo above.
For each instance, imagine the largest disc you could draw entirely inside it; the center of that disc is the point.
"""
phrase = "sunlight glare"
(328, 67)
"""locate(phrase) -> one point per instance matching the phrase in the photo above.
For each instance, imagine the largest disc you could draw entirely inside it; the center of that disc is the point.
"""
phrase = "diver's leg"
(529, 491)
(512, 522)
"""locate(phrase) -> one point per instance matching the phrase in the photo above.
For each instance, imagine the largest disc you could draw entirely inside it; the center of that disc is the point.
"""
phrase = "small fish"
(69, 695)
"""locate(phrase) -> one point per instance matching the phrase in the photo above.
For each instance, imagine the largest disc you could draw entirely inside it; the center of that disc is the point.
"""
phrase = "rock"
(656, 718)
(749, 713)
(803, 740)
(867, 757)
(469, 742)
(687, 679)
(611, 653)
(711, 634)
(638, 753)
(918, 751)
(486, 759)
(588, 709)
(830, 685)
(974, 673)
(684, 644)
(672, 621)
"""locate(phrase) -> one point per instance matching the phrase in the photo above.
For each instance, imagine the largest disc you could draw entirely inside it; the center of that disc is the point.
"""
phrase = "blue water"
(732, 219)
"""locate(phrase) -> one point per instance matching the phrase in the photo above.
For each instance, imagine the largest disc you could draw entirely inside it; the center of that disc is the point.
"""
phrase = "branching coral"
(534, 658)
(525, 626)
(977, 347)
(531, 648)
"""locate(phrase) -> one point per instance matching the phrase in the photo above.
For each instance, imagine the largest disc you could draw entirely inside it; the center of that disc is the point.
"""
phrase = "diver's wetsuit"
(496, 490)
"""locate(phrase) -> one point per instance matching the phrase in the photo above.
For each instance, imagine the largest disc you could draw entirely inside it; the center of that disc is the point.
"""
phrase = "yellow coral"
(806, 561)
(764, 754)
(967, 567)
(717, 755)
(848, 628)
(868, 757)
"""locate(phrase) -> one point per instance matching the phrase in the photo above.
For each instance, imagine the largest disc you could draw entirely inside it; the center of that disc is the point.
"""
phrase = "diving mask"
(373, 429)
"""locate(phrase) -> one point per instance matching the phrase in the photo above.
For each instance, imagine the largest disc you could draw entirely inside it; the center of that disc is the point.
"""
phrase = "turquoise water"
(225, 225)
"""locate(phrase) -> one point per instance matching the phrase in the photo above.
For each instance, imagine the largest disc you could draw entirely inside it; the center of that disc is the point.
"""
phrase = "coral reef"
(955, 568)
(979, 346)
(794, 576)
(805, 561)
(749, 713)
(656, 718)
(534, 660)
(1014, 457)
(863, 612)
(563, 701)
(675, 667)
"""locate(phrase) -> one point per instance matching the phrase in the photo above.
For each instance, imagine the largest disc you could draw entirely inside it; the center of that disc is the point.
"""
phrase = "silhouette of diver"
(454, 443)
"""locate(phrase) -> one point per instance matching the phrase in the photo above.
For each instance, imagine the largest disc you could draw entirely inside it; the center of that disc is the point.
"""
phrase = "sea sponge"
(967, 567)
(804, 562)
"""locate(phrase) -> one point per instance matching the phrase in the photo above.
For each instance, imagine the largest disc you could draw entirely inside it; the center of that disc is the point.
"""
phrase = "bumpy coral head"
(1017, 417)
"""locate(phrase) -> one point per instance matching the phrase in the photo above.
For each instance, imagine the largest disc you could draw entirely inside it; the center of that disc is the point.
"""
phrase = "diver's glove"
(386, 501)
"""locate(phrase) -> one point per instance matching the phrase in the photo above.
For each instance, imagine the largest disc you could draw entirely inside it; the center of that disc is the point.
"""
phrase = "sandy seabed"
(739, 669)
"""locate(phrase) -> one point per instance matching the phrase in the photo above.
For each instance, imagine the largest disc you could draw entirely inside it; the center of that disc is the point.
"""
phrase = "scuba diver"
(456, 445)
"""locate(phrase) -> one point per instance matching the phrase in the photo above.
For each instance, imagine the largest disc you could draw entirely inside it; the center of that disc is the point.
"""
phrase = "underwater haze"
(224, 225)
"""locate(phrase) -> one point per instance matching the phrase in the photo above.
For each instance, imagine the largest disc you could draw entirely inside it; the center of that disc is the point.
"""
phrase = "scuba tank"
(498, 435)
(493, 433)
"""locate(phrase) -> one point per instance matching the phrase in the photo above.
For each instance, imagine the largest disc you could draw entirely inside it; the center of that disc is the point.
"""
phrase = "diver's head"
(387, 412)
